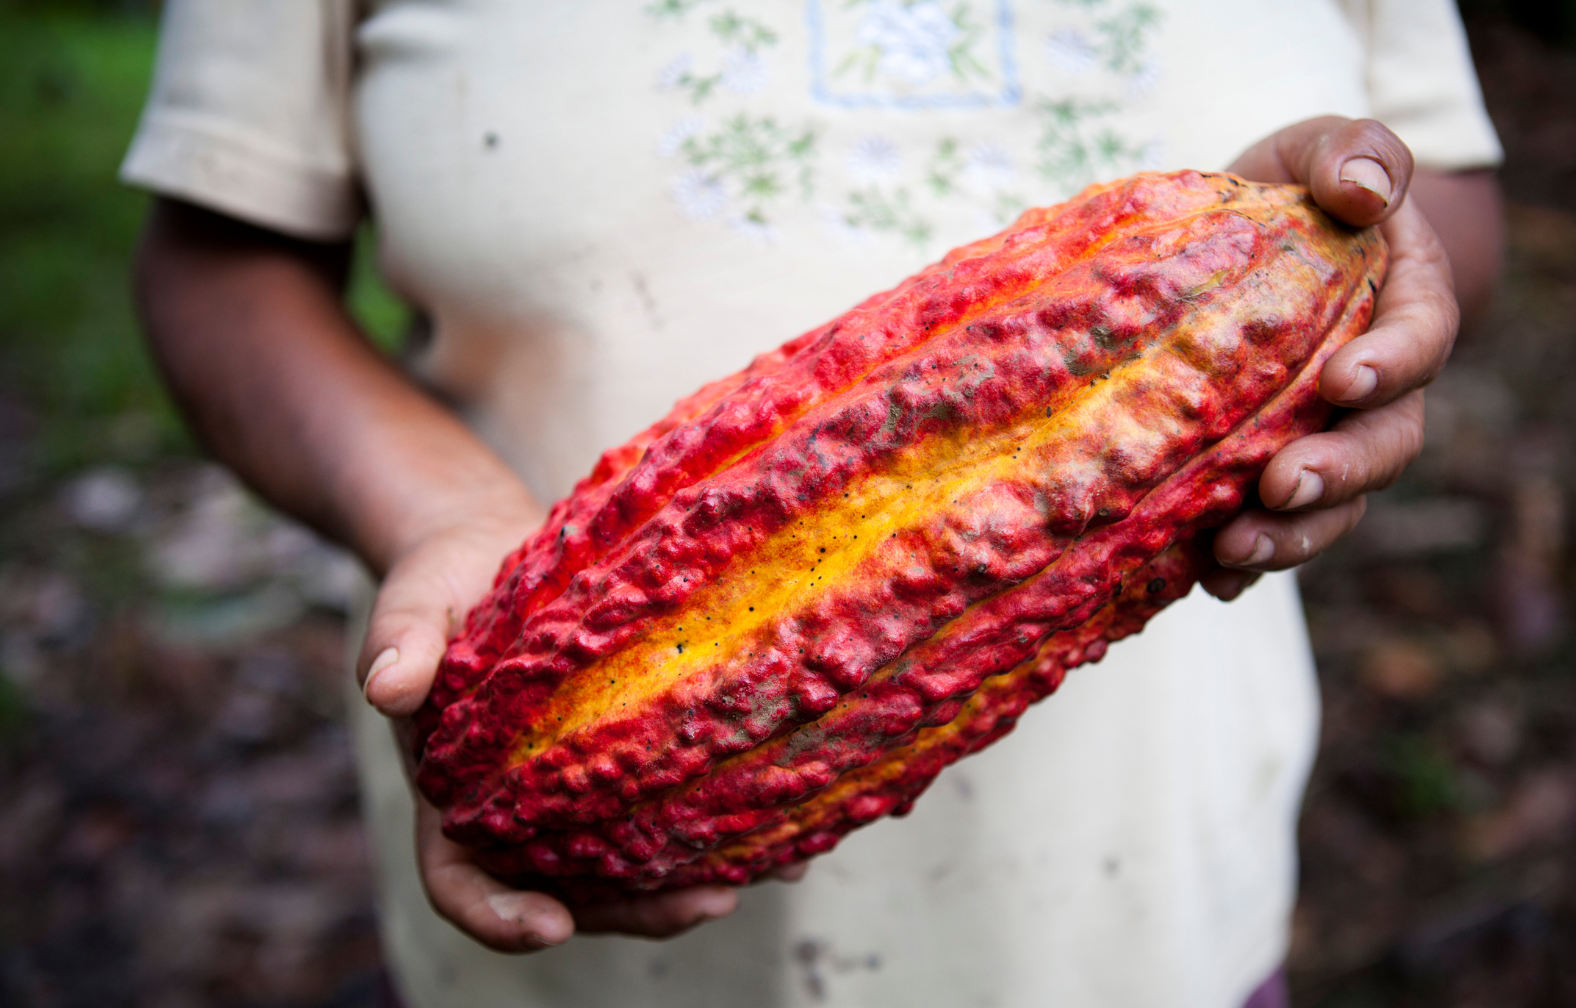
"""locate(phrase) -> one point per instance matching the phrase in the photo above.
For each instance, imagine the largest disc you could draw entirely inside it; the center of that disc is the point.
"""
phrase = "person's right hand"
(421, 604)
(274, 376)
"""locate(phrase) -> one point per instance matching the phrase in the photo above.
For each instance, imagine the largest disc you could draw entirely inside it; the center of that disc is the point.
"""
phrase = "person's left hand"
(1312, 490)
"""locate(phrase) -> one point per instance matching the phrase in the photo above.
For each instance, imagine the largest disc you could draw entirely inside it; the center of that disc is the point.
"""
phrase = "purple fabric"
(1272, 993)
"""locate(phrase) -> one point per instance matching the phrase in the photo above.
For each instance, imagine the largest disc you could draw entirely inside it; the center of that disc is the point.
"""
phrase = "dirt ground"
(178, 818)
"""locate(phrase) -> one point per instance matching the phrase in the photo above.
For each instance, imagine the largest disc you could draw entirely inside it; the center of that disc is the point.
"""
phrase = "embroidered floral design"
(743, 70)
(988, 166)
(747, 164)
(1122, 38)
(874, 159)
(1078, 141)
(672, 8)
(912, 53)
(1071, 51)
(744, 167)
(699, 195)
(748, 34)
(913, 42)
(874, 210)
(741, 168)
(673, 140)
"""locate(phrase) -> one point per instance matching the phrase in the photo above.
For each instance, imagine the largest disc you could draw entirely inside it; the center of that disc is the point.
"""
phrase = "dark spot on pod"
(1156, 586)
(1264, 330)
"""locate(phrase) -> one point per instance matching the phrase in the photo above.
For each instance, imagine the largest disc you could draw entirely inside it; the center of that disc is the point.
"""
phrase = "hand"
(1358, 172)
(422, 603)
(253, 336)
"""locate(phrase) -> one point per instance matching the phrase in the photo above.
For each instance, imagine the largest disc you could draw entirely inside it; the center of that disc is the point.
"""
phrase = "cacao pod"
(779, 612)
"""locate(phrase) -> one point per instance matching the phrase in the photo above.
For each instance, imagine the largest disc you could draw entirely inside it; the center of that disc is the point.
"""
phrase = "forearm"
(277, 381)
(1465, 211)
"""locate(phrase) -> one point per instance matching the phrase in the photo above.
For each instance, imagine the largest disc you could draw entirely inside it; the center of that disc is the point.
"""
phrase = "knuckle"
(1391, 149)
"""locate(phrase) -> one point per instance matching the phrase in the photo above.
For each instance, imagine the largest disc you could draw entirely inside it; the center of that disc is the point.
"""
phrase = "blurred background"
(178, 820)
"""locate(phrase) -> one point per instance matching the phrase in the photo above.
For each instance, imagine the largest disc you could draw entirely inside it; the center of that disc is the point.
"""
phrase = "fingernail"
(1309, 488)
(1369, 174)
(1263, 550)
(515, 908)
(1364, 380)
(388, 656)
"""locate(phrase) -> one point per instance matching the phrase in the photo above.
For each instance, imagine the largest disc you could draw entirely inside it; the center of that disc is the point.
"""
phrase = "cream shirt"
(601, 205)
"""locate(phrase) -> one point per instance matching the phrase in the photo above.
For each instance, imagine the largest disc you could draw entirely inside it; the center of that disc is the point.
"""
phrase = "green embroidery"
(742, 71)
(755, 161)
(742, 31)
(892, 210)
(945, 165)
(1076, 146)
(872, 210)
(699, 87)
(749, 168)
(1078, 142)
(1123, 39)
(672, 8)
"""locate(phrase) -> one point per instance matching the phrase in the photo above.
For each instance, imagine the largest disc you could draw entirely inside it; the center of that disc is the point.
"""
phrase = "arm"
(1465, 211)
(276, 380)
(1361, 173)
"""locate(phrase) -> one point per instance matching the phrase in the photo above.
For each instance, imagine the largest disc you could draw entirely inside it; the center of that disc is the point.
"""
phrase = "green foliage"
(381, 313)
(72, 81)
(71, 86)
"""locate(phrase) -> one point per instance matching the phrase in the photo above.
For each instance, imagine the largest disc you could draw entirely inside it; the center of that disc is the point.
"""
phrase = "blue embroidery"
(891, 54)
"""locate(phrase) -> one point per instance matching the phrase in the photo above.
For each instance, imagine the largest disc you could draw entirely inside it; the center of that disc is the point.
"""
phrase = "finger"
(505, 919)
(1357, 170)
(789, 872)
(1366, 450)
(659, 915)
(1226, 583)
(1260, 540)
(1414, 325)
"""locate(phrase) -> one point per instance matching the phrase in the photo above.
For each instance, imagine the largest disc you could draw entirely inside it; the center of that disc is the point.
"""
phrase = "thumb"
(1357, 170)
(422, 604)
(415, 614)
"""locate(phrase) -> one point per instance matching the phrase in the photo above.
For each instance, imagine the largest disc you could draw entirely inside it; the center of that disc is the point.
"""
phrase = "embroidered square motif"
(914, 54)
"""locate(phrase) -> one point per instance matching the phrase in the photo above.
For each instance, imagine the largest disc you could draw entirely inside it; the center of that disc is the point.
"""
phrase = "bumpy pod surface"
(776, 614)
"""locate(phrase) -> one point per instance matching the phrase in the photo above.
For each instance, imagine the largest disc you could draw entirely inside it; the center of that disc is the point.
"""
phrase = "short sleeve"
(1421, 83)
(249, 114)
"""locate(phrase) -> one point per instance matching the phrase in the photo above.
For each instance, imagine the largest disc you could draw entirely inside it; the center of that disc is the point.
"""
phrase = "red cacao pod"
(778, 613)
